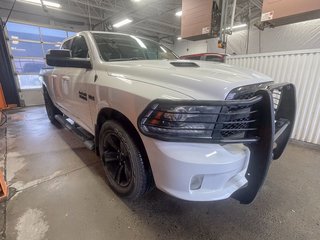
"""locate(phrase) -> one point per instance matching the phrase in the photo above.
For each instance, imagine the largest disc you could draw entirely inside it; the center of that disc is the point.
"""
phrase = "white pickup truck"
(199, 131)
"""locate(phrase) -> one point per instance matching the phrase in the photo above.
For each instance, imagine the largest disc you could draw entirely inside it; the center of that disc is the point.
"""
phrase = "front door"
(75, 84)
(78, 98)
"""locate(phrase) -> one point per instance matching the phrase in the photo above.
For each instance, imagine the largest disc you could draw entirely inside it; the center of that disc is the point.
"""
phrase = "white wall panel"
(296, 36)
(302, 68)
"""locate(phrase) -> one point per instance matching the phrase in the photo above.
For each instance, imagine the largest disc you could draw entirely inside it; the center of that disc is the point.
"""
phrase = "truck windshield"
(116, 47)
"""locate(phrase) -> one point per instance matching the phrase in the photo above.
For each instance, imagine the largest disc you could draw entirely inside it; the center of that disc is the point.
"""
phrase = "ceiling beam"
(127, 12)
(162, 23)
(54, 10)
(95, 6)
(155, 30)
(256, 4)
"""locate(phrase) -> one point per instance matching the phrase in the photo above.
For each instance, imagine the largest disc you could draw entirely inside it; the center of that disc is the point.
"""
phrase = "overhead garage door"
(28, 45)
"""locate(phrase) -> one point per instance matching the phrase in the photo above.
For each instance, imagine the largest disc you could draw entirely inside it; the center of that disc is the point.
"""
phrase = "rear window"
(193, 57)
(214, 58)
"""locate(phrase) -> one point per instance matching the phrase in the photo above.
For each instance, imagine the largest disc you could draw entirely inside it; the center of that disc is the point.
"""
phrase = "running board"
(85, 137)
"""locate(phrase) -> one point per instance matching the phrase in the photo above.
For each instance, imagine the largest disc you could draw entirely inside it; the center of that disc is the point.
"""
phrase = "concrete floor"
(61, 194)
(2, 164)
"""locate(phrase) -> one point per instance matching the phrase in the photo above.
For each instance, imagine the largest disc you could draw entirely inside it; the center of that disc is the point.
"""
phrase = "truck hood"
(196, 79)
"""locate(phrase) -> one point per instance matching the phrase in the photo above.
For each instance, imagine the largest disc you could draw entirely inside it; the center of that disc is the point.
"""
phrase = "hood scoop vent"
(184, 64)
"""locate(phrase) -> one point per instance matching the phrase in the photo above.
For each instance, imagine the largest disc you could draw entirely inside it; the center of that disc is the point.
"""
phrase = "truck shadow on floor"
(178, 219)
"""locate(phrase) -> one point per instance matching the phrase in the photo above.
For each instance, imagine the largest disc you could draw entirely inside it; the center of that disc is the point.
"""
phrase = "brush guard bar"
(276, 128)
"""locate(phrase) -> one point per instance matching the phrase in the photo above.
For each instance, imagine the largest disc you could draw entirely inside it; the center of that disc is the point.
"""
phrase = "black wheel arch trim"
(112, 114)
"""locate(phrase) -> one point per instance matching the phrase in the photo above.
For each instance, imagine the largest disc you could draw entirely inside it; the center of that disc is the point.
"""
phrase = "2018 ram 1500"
(200, 131)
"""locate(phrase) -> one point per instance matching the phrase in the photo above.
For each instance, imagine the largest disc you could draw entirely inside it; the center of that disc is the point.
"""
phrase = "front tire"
(51, 109)
(125, 169)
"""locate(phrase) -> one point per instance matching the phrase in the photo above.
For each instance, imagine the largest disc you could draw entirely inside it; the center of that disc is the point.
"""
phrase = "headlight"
(172, 120)
(197, 121)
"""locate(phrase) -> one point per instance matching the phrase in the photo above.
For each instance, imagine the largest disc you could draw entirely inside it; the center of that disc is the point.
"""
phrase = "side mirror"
(62, 58)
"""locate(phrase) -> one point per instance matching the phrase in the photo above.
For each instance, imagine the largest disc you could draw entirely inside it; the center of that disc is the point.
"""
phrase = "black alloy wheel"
(125, 169)
(116, 159)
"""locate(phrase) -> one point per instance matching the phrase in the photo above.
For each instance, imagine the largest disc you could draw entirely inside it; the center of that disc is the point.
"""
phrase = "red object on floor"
(3, 103)
(4, 191)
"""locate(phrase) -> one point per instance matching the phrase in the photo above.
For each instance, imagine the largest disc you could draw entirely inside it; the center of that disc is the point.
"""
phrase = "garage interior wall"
(297, 36)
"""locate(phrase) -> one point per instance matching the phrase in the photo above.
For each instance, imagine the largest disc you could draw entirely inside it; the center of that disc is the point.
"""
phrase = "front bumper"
(198, 172)
(235, 167)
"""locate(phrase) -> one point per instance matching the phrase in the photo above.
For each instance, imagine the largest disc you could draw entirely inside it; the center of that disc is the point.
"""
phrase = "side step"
(84, 136)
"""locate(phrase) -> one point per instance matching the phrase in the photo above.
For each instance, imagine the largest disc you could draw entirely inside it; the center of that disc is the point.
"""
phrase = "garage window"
(29, 45)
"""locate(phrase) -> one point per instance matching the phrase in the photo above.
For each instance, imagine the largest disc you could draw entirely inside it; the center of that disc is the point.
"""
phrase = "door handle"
(65, 78)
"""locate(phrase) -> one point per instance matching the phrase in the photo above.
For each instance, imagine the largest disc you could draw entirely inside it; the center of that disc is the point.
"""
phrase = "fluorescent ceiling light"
(46, 3)
(237, 26)
(179, 38)
(179, 13)
(52, 4)
(121, 23)
(141, 44)
(37, 2)
(136, 0)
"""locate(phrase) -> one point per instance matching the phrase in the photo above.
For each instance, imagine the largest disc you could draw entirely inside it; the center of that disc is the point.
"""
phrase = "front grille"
(240, 126)
(276, 95)
(236, 121)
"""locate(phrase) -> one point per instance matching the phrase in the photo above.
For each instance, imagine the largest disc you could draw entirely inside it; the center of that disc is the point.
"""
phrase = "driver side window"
(79, 48)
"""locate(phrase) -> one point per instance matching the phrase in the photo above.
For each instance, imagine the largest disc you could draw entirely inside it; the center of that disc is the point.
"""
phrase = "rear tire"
(51, 109)
(125, 169)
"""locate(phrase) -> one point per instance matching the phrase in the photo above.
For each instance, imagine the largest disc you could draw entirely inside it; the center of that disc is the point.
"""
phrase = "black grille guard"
(260, 117)
(274, 133)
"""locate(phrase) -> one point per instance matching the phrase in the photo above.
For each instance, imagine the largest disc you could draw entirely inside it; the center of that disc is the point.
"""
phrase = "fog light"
(196, 182)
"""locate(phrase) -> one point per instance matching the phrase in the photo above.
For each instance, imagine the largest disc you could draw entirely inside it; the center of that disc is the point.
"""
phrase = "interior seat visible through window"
(79, 47)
